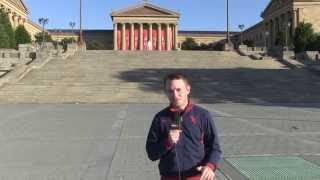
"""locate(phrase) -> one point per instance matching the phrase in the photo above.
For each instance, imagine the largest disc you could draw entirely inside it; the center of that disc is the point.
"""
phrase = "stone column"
(294, 19)
(19, 20)
(132, 37)
(123, 33)
(176, 37)
(150, 35)
(141, 37)
(159, 37)
(168, 37)
(274, 32)
(14, 21)
(115, 36)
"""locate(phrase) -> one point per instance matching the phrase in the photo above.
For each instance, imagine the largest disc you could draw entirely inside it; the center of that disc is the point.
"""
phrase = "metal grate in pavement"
(276, 168)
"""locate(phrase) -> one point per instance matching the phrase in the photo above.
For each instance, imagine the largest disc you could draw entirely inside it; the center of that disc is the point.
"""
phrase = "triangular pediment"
(275, 5)
(145, 9)
(19, 4)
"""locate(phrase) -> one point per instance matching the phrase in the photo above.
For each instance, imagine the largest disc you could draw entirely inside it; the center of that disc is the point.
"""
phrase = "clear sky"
(195, 14)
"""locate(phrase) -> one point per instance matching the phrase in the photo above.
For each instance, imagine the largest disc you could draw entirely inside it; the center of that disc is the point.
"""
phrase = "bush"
(95, 45)
(7, 31)
(39, 37)
(303, 36)
(314, 45)
(189, 44)
(249, 43)
(22, 36)
(4, 38)
(64, 42)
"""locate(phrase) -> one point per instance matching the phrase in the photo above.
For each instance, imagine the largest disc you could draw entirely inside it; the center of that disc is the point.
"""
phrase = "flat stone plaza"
(87, 117)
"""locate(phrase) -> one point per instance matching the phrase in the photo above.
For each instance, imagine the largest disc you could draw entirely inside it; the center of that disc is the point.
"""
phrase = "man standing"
(183, 136)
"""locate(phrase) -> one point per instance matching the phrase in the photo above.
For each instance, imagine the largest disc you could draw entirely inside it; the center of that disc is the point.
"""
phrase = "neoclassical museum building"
(145, 27)
(18, 15)
(283, 16)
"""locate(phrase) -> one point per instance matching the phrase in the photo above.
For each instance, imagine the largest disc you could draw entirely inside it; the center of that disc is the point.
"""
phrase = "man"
(190, 152)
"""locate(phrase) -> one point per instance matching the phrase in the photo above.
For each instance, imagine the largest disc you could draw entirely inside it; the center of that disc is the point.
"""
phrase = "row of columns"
(14, 18)
(150, 35)
(280, 23)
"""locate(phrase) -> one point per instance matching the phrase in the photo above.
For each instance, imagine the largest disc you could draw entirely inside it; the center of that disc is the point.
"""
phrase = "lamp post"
(43, 22)
(287, 28)
(241, 27)
(81, 37)
(266, 34)
(228, 35)
(72, 24)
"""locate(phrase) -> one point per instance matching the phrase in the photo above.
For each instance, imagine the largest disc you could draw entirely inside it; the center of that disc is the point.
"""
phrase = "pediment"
(19, 4)
(275, 5)
(145, 9)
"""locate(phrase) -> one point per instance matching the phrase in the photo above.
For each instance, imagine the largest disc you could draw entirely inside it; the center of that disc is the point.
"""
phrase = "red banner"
(163, 38)
(119, 42)
(127, 38)
(136, 38)
(155, 39)
(145, 38)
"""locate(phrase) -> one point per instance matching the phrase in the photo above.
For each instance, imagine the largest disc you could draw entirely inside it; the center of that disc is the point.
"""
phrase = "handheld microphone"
(176, 121)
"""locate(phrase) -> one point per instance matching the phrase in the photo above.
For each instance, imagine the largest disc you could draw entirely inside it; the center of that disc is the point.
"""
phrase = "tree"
(281, 38)
(304, 34)
(249, 43)
(39, 37)
(4, 38)
(189, 44)
(7, 28)
(22, 35)
(95, 45)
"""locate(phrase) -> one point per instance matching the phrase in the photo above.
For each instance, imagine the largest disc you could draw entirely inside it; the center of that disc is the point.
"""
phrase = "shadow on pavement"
(290, 87)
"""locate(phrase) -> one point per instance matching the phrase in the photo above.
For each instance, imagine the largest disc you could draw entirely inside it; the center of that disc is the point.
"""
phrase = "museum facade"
(18, 15)
(145, 27)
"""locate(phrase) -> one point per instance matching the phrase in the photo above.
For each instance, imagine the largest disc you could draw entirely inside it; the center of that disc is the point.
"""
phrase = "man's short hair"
(175, 76)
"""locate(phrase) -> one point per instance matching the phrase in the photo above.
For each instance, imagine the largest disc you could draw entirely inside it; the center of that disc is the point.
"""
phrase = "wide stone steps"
(128, 77)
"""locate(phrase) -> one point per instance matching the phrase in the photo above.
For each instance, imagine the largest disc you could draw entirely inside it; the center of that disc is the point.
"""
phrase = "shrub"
(4, 38)
(7, 30)
(95, 45)
(39, 37)
(22, 36)
(189, 44)
(303, 36)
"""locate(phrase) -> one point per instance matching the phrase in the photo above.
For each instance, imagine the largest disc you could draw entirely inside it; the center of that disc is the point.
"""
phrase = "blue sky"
(195, 14)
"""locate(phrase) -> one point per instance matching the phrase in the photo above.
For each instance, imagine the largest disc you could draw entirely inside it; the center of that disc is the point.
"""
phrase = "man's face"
(177, 91)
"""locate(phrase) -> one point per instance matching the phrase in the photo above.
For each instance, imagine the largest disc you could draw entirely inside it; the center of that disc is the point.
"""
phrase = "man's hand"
(206, 173)
(174, 136)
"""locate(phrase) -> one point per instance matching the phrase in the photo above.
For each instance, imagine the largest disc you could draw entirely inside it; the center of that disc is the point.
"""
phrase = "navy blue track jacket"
(198, 144)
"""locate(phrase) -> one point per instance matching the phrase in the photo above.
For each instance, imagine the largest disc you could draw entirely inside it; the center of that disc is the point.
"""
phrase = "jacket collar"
(186, 110)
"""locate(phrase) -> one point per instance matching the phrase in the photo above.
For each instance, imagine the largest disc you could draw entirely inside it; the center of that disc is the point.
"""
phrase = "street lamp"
(81, 37)
(43, 22)
(266, 34)
(228, 35)
(72, 24)
(287, 29)
(241, 27)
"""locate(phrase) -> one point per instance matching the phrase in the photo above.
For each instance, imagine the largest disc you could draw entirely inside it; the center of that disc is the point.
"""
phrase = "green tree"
(281, 38)
(4, 38)
(39, 37)
(7, 28)
(304, 34)
(189, 44)
(314, 45)
(249, 43)
(22, 35)
(95, 45)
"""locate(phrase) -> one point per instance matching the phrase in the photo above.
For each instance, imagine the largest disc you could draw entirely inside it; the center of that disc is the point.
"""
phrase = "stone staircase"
(127, 77)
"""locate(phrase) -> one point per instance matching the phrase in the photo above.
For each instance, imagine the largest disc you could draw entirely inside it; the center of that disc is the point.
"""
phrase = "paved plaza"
(107, 141)
(87, 117)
